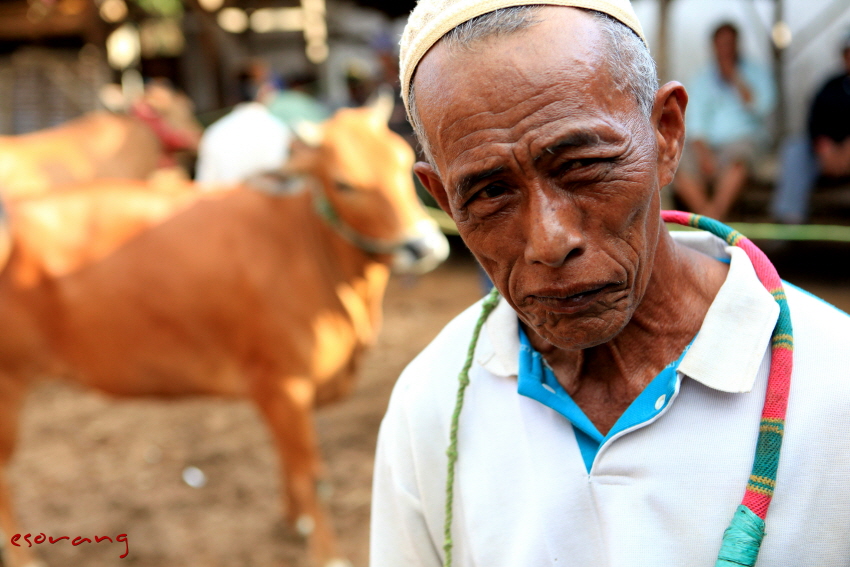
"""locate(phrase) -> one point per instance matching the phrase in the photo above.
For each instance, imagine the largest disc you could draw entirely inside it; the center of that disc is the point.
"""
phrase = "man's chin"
(578, 333)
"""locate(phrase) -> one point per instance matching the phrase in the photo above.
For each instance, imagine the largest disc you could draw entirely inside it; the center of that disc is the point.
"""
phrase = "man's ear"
(668, 120)
(431, 181)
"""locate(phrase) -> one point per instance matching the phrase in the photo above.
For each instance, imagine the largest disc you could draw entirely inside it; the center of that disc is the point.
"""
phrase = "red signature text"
(41, 538)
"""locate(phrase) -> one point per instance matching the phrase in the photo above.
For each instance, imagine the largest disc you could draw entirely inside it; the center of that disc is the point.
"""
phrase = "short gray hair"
(632, 67)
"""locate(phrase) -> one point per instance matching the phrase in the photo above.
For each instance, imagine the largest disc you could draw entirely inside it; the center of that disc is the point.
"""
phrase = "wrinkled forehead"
(433, 19)
(555, 72)
(558, 38)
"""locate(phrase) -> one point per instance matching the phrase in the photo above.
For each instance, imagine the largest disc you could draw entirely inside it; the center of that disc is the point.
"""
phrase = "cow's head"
(365, 173)
(167, 111)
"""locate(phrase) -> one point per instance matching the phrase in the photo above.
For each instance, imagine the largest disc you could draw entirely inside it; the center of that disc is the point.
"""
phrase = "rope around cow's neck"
(325, 209)
(742, 539)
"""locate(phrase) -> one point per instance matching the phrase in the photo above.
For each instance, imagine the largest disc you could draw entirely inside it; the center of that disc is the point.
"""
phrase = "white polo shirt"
(660, 493)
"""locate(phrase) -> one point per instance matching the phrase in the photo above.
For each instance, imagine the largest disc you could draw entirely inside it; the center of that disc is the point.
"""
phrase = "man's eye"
(577, 164)
(492, 191)
(487, 198)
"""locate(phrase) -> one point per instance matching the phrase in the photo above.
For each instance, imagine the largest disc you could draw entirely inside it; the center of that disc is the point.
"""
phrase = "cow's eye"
(344, 187)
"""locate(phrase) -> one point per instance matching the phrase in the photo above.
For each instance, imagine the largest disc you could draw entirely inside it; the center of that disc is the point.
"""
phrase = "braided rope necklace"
(742, 539)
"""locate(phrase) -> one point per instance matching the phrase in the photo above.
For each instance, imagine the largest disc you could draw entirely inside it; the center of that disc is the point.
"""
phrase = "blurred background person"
(249, 139)
(823, 153)
(386, 46)
(729, 104)
(296, 102)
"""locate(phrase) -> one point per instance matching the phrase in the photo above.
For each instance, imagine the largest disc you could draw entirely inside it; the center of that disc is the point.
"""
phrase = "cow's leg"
(11, 399)
(288, 408)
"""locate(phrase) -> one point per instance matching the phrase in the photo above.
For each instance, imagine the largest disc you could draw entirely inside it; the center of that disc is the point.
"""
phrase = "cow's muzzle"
(424, 249)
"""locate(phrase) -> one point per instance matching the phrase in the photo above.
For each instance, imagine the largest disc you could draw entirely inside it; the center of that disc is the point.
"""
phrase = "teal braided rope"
(487, 307)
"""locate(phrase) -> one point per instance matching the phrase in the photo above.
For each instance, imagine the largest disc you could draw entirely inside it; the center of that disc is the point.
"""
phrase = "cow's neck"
(24, 352)
(361, 280)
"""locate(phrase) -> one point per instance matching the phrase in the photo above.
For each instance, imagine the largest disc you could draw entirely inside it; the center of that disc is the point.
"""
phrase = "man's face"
(550, 172)
(726, 46)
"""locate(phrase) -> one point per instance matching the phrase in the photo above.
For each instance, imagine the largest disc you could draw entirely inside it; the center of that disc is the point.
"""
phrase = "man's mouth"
(575, 299)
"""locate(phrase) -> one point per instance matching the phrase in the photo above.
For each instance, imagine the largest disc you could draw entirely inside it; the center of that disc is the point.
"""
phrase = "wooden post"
(212, 53)
(662, 49)
(779, 76)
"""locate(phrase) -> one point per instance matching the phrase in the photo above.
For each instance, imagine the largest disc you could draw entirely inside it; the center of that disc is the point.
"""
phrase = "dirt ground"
(88, 464)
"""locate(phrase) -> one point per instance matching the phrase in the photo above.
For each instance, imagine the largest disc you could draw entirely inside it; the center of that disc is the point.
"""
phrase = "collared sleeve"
(400, 535)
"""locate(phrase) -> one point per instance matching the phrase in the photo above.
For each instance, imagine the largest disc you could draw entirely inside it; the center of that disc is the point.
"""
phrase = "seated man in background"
(729, 103)
(825, 152)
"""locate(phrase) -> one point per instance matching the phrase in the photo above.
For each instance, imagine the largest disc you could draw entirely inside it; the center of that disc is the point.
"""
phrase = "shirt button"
(659, 403)
(550, 388)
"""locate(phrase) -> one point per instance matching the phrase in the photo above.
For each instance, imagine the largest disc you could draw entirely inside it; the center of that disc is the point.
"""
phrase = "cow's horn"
(309, 133)
(112, 97)
(5, 237)
(382, 103)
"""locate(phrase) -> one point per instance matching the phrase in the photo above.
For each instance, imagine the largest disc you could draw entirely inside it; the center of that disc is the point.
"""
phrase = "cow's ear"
(382, 104)
(305, 149)
(112, 97)
(309, 133)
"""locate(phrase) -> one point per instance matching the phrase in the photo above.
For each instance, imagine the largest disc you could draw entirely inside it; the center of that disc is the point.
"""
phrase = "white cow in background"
(246, 142)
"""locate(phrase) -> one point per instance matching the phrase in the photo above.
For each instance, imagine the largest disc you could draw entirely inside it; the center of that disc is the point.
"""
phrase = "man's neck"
(604, 380)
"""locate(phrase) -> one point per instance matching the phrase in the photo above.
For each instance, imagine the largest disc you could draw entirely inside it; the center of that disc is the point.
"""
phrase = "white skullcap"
(432, 19)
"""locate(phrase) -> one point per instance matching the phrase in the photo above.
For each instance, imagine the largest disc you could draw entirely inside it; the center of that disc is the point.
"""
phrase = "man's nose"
(553, 230)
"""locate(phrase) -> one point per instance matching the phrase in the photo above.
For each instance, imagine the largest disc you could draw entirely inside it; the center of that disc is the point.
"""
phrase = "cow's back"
(97, 145)
(235, 284)
(57, 234)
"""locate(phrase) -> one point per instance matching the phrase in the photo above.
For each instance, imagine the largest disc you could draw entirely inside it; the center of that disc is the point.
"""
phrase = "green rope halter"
(742, 539)
(325, 209)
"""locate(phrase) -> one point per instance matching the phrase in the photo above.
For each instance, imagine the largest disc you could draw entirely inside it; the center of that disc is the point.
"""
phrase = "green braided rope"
(487, 307)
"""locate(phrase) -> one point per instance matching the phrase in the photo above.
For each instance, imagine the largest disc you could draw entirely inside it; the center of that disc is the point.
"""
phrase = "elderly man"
(610, 407)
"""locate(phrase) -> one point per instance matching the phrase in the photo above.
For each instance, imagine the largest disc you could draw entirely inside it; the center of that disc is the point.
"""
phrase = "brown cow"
(238, 292)
(99, 145)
